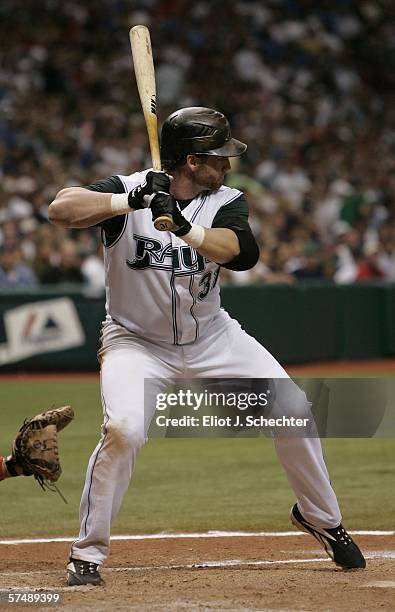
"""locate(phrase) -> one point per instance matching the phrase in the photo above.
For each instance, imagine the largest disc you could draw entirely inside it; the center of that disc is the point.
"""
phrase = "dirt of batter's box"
(155, 575)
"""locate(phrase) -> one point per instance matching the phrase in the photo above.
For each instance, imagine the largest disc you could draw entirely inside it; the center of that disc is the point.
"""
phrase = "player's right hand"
(163, 204)
(154, 182)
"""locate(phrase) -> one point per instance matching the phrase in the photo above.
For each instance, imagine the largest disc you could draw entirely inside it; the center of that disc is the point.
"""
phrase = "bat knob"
(164, 223)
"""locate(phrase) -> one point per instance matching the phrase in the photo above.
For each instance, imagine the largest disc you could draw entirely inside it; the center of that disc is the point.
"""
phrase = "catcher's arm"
(2, 468)
(35, 449)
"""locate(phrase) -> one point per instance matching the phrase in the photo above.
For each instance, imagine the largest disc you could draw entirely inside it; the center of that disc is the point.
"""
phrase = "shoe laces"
(86, 567)
(342, 535)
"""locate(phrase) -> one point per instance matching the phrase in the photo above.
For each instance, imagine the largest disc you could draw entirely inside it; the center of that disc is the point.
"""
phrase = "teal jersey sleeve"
(236, 210)
(234, 216)
(112, 184)
(111, 228)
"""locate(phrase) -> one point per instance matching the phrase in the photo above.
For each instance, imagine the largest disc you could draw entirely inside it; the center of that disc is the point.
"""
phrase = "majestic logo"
(151, 253)
(46, 326)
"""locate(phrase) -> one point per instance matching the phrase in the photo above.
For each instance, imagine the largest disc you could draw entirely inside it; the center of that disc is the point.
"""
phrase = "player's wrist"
(11, 468)
(194, 236)
(120, 204)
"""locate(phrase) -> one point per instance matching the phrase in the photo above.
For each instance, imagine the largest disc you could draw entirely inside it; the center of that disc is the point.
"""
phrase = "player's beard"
(211, 183)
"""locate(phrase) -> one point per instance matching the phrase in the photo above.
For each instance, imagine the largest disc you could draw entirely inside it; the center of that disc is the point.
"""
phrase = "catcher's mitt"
(35, 448)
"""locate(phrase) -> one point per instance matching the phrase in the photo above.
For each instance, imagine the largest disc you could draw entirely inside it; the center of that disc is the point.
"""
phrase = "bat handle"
(164, 223)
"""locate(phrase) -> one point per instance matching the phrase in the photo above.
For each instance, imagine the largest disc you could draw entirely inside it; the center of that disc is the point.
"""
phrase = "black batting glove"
(154, 181)
(165, 204)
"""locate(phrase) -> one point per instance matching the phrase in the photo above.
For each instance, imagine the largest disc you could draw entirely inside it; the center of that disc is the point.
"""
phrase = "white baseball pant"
(224, 351)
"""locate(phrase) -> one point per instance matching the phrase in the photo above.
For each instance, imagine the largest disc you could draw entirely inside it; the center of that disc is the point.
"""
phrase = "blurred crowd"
(308, 85)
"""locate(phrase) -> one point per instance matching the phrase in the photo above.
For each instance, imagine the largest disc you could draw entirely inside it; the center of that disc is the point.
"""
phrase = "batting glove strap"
(136, 197)
(154, 182)
(182, 226)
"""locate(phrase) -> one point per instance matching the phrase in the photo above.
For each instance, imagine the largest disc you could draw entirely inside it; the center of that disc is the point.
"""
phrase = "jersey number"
(208, 282)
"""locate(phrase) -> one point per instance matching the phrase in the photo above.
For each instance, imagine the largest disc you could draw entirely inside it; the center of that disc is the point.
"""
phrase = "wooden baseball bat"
(140, 42)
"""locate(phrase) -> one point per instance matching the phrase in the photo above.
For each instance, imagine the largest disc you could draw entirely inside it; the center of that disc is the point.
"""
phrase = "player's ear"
(192, 161)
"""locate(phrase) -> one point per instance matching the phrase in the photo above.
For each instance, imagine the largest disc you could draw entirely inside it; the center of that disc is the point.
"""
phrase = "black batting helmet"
(197, 130)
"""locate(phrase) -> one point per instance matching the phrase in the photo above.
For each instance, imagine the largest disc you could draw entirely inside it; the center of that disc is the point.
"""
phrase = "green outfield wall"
(58, 329)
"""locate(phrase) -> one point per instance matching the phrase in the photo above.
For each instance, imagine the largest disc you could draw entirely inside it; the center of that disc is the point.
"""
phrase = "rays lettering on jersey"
(151, 253)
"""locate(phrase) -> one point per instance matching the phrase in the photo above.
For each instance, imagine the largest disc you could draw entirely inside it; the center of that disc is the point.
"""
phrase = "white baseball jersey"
(156, 285)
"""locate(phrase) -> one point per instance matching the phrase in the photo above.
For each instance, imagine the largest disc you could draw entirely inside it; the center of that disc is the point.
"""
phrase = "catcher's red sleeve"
(2, 467)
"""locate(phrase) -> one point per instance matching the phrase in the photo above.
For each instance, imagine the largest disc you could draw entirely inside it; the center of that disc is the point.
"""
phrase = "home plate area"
(206, 572)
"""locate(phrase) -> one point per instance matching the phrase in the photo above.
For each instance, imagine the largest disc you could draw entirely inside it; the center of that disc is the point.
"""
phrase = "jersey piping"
(193, 305)
(107, 242)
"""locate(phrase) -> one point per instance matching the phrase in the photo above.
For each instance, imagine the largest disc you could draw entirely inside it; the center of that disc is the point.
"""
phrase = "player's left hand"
(154, 182)
(164, 204)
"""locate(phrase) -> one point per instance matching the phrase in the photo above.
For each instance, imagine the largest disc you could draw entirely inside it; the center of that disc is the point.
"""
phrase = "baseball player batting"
(164, 321)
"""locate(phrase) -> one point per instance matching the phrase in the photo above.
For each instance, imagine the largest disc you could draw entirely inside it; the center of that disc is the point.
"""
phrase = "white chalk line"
(176, 536)
(205, 565)
(245, 563)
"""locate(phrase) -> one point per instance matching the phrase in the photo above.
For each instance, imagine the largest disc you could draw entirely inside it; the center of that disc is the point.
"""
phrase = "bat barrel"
(140, 43)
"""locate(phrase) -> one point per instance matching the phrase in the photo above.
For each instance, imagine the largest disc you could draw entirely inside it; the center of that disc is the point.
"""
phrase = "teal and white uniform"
(164, 321)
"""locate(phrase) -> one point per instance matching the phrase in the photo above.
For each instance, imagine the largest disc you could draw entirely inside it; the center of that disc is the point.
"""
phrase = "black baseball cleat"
(83, 572)
(337, 543)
